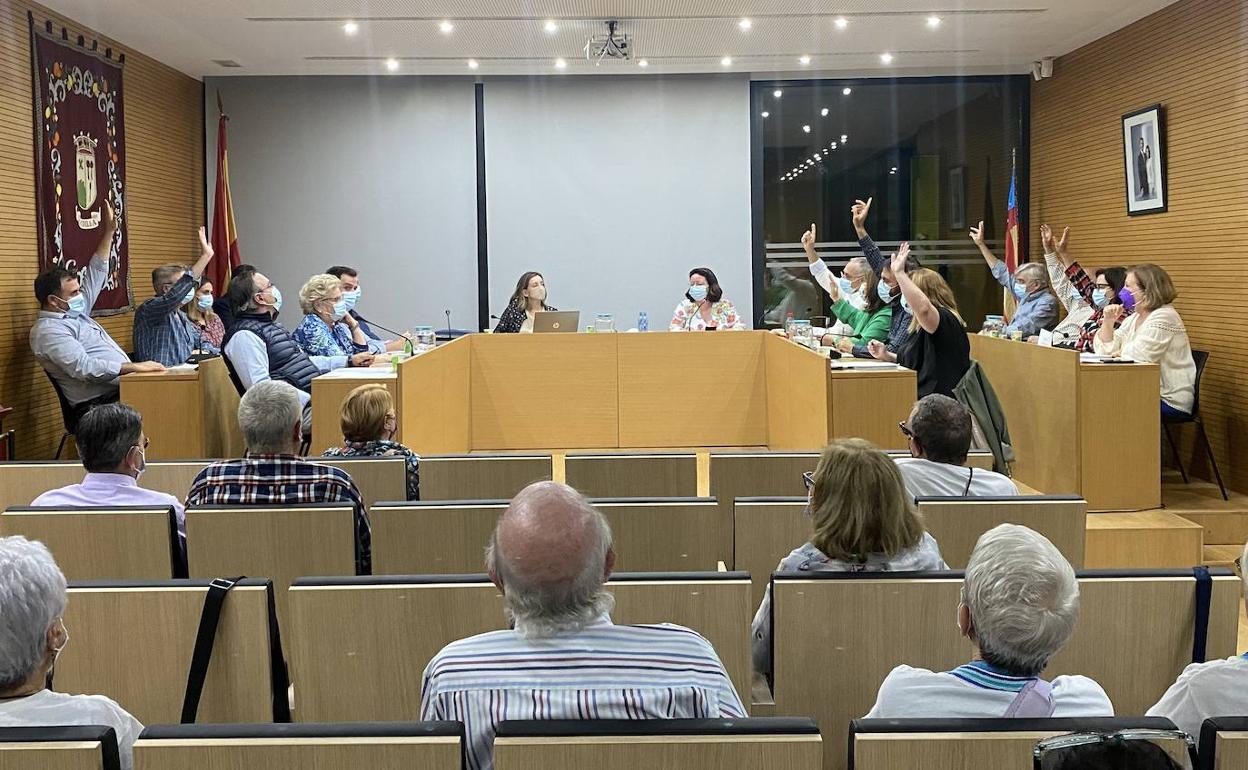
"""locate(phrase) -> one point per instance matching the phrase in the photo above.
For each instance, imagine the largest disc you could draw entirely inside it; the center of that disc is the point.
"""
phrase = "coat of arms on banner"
(80, 159)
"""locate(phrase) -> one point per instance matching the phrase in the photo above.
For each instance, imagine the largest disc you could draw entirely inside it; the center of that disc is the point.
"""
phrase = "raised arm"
(998, 268)
(858, 212)
(205, 256)
(1056, 263)
(920, 306)
(818, 268)
(95, 274)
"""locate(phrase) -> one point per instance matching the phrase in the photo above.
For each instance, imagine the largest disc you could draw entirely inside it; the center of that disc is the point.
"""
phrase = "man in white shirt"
(1020, 603)
(33, 594)
(550, 555)
(1217, 688)
(939, 432)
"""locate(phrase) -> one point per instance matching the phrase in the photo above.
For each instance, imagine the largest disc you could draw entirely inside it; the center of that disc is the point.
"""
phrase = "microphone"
(448, 319)
(400, 335)
(494, 317)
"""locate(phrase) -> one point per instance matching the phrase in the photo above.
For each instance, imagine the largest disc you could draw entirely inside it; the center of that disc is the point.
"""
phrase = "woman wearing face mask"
(201, 314)
(33, 593)
(528, 299)
(1084, 298)
(1037, 306)
(368, 427)
(704, 307)
(1153, 334)
(870, 323)
(327, 329)
(937, 348)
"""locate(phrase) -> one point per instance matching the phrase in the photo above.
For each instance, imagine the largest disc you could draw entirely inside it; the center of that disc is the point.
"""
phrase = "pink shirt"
(110, 489)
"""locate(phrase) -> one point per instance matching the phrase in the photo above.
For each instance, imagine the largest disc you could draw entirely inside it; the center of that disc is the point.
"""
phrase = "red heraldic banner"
(80, 159)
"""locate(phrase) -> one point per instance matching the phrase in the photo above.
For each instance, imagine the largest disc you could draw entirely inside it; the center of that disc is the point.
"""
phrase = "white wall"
(377, 173)
(615, 187)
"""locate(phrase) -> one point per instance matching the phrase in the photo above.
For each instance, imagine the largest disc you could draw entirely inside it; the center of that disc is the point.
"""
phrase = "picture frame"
(956, 190)
(1144, 161)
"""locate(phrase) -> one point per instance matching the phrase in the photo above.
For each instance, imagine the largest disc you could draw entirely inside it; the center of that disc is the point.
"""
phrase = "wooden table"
(654, 390)
(1089, 429)
(330, 390)
(187, 413)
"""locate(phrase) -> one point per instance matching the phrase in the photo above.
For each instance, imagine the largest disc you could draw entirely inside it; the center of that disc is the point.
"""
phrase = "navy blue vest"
(287, 361)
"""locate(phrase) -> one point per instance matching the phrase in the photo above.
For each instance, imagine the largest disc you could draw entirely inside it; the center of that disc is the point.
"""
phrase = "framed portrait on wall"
(957, 197)
(1144, 157)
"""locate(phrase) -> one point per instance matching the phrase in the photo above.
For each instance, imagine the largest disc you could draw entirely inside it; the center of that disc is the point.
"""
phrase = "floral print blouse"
(383, 448)
(316, 338)
(687, 318)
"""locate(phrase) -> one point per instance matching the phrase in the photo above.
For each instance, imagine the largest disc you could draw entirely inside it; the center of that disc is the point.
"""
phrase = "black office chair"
(1200, 358)
(69, 415)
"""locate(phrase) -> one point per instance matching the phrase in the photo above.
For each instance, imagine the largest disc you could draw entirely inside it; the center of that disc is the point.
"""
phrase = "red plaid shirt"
(1083, 284)
(284, 480)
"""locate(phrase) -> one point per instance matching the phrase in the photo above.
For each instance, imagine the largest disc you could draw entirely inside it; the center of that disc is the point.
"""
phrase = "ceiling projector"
(609, 46)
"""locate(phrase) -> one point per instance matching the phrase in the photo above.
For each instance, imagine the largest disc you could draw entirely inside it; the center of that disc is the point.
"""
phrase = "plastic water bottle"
(643, 322)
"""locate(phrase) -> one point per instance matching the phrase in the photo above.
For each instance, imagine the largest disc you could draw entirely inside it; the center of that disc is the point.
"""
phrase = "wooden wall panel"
(165, 170)
(1192, 57)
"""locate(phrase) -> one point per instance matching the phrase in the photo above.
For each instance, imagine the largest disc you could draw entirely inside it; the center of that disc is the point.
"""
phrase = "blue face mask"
(77, 304)
(884, 292)
(204, 302)
(1099, 297)
(352, 298)
(1020, 291)
(697, 292)
(904, 304)
(190, 295)
(846, 285)
(340, 309)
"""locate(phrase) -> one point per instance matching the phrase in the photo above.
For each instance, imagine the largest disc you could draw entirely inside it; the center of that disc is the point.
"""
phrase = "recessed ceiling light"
(844, 138)
(643, 64)
(561, 64)
(824, 112)
(933, 22)
(806, 129)
(551, 27)
(392, 64)
(726, 61)
(841, 22)
(777, 93)
(818, 156)
(887, 58)
(846, 91)
(472, 64)
(745, 24)
(804, 60)
(350, 28)
(766, 114)
(833, 145)
(446, 27)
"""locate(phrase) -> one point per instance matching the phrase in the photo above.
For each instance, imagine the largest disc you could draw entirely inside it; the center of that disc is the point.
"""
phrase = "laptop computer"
(556, 321)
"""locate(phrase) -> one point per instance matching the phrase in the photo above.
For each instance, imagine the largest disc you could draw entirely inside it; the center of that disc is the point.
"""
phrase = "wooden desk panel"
(222, 436)
(328, 393)
(692, 389)
(544, 390)
(869, 403)
(187, 414)
(798, 393)
(1120, 436)
(434, 392)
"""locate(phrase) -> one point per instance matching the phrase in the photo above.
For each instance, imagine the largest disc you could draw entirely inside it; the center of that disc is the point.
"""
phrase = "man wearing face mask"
(162, 332)
(1037, 306)
(33, 593)
(113, 448)
(70, 345)
(260, 349)
(349, 282)
(886, 289)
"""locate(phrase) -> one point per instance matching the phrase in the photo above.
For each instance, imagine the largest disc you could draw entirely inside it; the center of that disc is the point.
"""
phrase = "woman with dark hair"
(704, 307)
(1085, 298)
(528, 298)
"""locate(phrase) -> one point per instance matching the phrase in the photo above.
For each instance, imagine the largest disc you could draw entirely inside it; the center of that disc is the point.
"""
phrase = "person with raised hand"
(886, 288)
(1037, 307)
(162, 330)
(1085, 297)
(867, 325)
(937, 348)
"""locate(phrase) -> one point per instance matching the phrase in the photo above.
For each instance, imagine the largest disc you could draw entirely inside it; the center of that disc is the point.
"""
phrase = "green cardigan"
(866, 325)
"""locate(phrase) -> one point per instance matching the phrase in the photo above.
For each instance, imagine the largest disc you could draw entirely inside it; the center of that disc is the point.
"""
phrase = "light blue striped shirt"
(604, 671)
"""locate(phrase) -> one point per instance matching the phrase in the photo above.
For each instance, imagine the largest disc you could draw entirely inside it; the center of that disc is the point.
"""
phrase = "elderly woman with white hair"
(1037, 304)
(1020, 602)
(327, 328)
(32, 635)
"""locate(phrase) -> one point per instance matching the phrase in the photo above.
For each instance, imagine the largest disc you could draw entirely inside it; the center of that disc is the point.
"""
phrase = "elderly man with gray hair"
(162, 332)
(550, 555)
(271, 471)
(1020, 603)
(32, 635)
(938, 432)
(1037, 304)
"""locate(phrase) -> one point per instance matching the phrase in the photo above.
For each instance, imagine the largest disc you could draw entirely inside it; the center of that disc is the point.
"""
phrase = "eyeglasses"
(808, 478)
(1058, 743)
(905, 429)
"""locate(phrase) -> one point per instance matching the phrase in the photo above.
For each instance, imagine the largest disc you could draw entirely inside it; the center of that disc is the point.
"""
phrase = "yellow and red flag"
(224, 232)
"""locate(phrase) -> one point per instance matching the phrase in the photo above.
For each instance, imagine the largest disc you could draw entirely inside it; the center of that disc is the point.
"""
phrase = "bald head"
(550, 554)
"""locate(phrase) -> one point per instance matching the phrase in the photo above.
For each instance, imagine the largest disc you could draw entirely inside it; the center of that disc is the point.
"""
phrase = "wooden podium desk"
(654, 390)
(329, 391)
(187, 413)
(1079, 428)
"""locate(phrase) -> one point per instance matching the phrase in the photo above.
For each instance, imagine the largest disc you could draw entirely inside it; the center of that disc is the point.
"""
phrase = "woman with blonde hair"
(327, 328)
(938, 348)
(1153, 334)
(864, 521)
(210, 325)
(368, 427)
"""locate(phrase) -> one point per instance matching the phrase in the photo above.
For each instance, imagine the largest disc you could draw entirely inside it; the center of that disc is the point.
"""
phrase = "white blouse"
(1160, 339)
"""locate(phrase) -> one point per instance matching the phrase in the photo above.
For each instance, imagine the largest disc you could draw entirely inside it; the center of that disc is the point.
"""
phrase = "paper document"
(182, 368)
(362, 372)
(862, 363)
(1046, 338)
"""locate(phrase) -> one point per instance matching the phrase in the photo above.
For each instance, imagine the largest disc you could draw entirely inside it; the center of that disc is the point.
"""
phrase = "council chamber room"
(492, 385)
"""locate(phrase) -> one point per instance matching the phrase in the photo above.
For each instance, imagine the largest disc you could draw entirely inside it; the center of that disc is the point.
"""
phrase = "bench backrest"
(627, 474)
(79, 747)
(359, 646)
(957, 522)
(103, 543)
(1224, 743)
(480, 477)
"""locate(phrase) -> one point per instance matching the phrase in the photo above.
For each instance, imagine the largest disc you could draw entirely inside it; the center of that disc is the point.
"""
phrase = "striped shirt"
(604, 671)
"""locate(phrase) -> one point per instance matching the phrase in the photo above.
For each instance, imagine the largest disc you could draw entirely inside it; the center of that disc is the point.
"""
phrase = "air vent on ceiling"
(226, 63)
